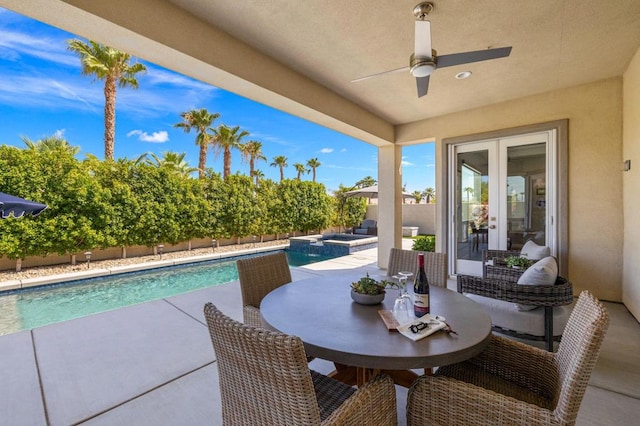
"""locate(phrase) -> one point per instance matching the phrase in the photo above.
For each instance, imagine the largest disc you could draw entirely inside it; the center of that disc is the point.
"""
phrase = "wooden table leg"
(345, 374)
(359, 376)
(402, 377)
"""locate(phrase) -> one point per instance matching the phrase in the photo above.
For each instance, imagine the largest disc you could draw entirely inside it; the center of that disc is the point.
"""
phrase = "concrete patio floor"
(153, 364)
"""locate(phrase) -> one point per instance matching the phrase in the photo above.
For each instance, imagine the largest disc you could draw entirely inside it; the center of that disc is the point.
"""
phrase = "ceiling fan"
(424, 60)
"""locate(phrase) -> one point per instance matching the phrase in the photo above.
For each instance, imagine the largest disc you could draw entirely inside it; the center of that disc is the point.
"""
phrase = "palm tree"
(257, 174)
(201, 120)
(50, 143)
(112, 66)
(469, 191)
(365, 182)
(225, 138)
(280, 161)
(300, 168)
(313, 165)
(252, 151)
(417, 195)
(429, 193)
(172, 161)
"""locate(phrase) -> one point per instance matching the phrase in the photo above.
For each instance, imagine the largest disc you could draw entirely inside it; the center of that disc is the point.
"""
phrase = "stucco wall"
(421, 215)
(631, 186)
(595, 180)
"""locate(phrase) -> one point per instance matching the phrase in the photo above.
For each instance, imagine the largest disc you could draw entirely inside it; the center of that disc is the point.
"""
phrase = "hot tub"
(332, 244)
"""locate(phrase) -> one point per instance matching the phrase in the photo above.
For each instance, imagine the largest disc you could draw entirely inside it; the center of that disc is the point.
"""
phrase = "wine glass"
(404, 293)
(402, 309)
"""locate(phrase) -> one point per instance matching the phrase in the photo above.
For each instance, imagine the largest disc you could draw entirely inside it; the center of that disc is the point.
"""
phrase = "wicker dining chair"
(258, 276)
(265, 380)
(514, 383)
(435, 264)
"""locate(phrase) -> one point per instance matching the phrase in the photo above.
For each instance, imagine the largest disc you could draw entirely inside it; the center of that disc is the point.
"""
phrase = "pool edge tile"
(197, 259)
(71, 276)
(10, 285)
(140, 266)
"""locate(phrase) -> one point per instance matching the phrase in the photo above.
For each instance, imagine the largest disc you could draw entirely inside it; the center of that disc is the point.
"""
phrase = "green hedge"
(100, 204)
(424, 243)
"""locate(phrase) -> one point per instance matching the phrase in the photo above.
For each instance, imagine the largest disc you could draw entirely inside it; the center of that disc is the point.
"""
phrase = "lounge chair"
(368, 227)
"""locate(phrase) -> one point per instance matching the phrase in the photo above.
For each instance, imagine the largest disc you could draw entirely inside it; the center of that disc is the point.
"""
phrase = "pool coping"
(17, 284)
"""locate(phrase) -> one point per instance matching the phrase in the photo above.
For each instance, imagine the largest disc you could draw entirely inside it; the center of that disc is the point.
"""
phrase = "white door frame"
(557, 161)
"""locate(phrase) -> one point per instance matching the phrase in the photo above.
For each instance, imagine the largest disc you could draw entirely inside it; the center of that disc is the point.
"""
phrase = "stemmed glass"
(405, 275)
(402, 309)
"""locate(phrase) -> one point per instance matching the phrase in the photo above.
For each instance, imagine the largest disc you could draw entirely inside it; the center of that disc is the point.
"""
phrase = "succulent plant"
(368, 285)
(518, 261)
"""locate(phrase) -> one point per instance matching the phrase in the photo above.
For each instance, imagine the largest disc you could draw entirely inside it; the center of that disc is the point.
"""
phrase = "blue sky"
(42, 93)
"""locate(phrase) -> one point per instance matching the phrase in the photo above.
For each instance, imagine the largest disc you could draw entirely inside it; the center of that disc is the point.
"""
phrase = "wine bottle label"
(420, 304)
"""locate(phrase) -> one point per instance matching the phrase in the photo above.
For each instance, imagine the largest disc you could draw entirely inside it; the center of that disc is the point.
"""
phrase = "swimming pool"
(34, 307)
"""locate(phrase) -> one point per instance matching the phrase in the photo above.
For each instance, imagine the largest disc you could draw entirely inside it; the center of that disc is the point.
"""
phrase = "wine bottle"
(421, 290)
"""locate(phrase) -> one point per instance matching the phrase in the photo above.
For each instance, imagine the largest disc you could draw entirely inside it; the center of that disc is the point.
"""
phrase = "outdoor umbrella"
(18, 206)
(370, 192)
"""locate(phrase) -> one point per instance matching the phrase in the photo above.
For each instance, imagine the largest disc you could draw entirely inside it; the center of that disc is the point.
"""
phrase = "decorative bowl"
(367, 299)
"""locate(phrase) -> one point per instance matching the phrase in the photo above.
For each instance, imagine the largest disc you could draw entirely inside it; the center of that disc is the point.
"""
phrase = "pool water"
(35, 307)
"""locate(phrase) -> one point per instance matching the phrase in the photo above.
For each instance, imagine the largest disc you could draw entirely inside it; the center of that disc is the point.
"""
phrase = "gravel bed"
(42, 271)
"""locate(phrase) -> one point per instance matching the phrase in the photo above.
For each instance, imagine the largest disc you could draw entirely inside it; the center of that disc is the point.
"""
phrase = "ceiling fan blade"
(476, 56)
(380, 73)
(423, 39)
(423, 85)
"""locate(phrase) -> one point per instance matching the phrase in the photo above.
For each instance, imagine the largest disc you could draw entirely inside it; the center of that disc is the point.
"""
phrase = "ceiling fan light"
(463, 75)
(423, 69)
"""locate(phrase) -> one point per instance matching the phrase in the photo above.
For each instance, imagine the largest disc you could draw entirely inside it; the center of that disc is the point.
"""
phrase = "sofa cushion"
(368, 223)
(533, 251)
(506, 315)
(543, 272)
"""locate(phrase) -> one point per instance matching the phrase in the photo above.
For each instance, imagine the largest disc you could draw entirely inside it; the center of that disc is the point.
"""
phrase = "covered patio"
(153, 363)
(577, 62)
(302, 58)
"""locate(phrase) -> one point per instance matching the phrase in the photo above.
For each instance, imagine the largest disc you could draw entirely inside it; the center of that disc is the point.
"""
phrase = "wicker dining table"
(332, 327)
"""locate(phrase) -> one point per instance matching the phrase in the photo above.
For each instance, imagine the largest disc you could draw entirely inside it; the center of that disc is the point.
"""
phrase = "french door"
(501, 194)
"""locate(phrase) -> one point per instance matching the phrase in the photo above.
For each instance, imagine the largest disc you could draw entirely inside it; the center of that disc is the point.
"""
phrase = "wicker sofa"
(501, 297)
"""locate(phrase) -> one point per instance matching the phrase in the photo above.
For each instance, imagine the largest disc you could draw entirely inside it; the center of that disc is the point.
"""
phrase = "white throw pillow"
(543, 272)
(533, 251)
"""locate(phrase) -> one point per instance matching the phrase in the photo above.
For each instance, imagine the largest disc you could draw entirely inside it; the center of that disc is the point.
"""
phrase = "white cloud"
(326, 150)
(29, 84)
(59, 133)
(270, 138)
(40, 91)
(343, 150)
(407, 163)
(158, 76)
(155, 137)
(13, 45)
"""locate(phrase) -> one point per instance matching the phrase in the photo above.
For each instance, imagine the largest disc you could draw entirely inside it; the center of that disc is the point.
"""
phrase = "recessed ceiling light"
(463, 74)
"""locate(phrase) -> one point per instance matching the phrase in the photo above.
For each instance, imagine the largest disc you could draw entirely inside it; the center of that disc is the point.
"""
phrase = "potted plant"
(517, 262)
(368, 291)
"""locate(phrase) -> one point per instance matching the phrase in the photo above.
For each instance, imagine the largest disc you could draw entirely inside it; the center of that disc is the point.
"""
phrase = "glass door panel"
(526, 195)
(501, 196)
(472, 205)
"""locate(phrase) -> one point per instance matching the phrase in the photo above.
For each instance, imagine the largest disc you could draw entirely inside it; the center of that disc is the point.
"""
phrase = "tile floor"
(152, 364)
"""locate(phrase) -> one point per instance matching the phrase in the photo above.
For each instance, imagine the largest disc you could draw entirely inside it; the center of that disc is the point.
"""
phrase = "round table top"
(333, 327)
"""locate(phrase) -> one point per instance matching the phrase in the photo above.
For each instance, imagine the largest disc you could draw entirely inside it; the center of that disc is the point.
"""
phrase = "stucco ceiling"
(556, 44)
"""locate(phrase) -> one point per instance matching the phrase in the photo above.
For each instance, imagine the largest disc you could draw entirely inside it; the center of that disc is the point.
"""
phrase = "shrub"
(424, 243)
